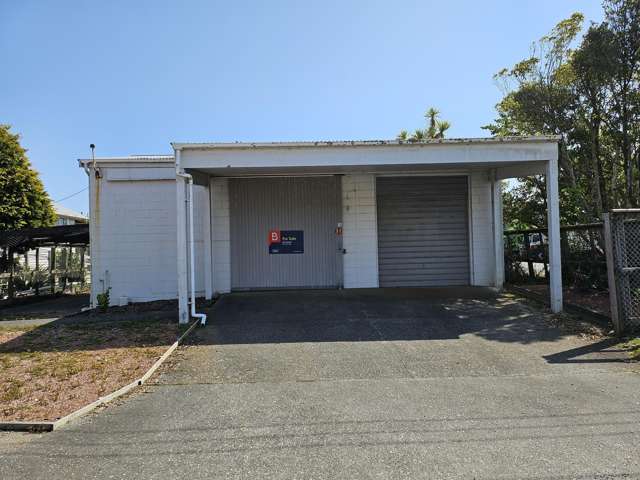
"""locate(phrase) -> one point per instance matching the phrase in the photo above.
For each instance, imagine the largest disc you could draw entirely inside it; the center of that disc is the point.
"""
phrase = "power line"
(72, 195)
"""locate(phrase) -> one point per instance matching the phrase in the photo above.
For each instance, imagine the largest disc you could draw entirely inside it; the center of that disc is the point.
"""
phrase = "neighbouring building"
(66, 216)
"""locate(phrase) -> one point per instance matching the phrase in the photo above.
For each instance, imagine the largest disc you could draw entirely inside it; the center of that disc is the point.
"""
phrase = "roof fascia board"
(364, 143)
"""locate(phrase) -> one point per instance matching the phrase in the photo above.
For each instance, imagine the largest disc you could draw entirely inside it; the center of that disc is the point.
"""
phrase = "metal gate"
(622, 231)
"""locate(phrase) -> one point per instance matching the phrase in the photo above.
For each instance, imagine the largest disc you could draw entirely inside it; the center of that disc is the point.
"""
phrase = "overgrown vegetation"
(633, 346)
(589, 96)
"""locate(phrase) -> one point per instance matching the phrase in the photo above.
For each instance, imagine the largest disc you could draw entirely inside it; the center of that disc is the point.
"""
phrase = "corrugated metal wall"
(310, 204)
(423, 237)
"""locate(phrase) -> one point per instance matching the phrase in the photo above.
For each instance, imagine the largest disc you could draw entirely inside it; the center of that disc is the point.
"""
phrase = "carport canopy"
(501, 157)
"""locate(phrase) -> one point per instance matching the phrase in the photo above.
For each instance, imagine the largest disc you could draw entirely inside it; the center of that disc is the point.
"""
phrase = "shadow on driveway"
(393, 315)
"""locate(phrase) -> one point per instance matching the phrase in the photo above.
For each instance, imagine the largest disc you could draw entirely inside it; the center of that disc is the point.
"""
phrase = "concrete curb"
(38, 427)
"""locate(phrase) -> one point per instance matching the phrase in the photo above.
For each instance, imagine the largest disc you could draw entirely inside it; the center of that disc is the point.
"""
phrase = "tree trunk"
(565, 164)
(637, 197)
(626, 155)
(596, 167)
(614, 182)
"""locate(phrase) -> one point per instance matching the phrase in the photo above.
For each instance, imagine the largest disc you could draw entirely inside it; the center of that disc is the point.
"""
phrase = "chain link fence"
(622, 230)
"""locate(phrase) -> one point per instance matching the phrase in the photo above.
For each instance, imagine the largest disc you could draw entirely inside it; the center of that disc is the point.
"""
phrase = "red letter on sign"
(274, 236)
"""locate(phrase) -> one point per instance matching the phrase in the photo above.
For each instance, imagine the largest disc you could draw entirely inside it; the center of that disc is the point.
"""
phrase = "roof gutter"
(367, 143)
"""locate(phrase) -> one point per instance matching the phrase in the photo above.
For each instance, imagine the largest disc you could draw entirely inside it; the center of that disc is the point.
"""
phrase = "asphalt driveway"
(363, 384)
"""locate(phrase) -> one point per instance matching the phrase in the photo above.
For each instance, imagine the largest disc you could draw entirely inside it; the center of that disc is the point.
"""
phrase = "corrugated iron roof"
(28, 238)
(63, 211)
(319, 144)
(129, 158)
(366, 143)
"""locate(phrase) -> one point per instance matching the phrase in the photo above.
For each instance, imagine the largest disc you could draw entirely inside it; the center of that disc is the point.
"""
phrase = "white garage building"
(352, 214)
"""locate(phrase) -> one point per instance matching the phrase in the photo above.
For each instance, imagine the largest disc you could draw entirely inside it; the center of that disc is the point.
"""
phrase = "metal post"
(611, 274)
(11, 289)
(52, 269)
(527, 249)
(37, 275)
(82, 279)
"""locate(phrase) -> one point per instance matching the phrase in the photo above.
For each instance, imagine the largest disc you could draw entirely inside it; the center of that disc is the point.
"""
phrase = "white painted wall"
(482, 239)
(135, 225)
(221, 235)
(137, 229)
(360, 231)
(200, 197)
(135, 222)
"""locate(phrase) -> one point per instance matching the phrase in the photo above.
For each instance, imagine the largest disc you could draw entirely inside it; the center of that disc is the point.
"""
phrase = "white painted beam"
(489, 154)
(553, 232)
(524, 170)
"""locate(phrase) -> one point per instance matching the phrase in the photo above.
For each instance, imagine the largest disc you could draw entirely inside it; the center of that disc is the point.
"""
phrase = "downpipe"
(201, 316)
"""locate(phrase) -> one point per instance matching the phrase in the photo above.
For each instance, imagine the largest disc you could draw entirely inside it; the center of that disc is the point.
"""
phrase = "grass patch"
(16, 328)
(633, 347)
(12, 390)
(51, 370)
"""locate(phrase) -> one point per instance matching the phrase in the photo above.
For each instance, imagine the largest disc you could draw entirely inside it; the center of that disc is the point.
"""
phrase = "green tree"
(23, 199)
(436, 128)
(622, 19)
(590, 96)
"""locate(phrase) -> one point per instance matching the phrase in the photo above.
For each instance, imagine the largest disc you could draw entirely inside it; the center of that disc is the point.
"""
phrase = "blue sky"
(131, 76)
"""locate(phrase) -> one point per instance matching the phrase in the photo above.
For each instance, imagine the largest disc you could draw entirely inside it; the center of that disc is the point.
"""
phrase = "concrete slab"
(391, 384)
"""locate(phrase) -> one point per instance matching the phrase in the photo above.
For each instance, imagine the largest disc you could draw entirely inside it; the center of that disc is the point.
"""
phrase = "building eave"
(363, 143)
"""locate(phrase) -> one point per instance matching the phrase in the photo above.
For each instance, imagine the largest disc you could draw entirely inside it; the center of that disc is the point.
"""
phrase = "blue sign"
(286, 241)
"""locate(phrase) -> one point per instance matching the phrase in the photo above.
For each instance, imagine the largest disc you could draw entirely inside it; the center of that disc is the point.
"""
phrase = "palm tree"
(436, 129)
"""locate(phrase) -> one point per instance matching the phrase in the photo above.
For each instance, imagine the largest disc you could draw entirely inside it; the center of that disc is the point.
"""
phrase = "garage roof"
(365, 143)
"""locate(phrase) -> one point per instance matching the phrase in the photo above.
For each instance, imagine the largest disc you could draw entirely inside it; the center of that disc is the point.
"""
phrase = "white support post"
(553, 233)
(498, 228)
(207, 244)
(181, 222)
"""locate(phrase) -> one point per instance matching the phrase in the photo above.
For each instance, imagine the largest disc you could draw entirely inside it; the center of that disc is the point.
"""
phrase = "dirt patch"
(595, 300)
(46, 306)
(52, 370)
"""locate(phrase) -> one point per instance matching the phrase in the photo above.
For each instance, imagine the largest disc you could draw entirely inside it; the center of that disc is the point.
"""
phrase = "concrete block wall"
(136, 249)
(482, 239)
(360, 231)
(135, 253)
(200, 197)
(221, 235)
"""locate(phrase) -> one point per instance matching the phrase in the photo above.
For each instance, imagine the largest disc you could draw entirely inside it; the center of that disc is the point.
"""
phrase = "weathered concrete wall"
(482, 254)
(221, 238)
(134, 237)
(360, 238)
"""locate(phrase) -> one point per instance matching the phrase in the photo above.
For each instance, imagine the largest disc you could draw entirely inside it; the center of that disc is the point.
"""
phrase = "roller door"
(423, 238)
(302, 214)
